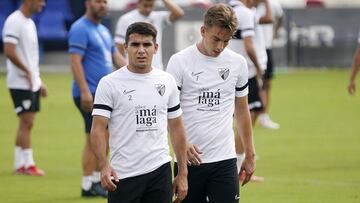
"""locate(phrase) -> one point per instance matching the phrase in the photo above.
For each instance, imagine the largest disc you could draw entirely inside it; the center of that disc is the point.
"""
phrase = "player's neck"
(139, 70)
(25, 11)
(92, 18)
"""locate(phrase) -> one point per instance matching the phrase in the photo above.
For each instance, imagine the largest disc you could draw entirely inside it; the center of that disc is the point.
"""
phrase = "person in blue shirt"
(92, 54)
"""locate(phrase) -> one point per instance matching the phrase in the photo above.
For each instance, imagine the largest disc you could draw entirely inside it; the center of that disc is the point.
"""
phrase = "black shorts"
(153, 187)
(254, 100)
(25, 100)
(216, 182)
(86, 115)
(269, 72)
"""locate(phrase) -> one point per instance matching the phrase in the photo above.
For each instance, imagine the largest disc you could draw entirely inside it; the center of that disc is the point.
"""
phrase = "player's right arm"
(98, 144)
(10, 53)
(250, 51)
(79, 76)
(354, 70)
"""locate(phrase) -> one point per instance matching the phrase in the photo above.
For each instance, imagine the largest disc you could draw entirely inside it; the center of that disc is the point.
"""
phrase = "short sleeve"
(242, 86)
(246, 24)
(120, 30)
(174, 68)
(174, 109)
(11, 31)
(78, 40)
(103, 102)
(163, 16)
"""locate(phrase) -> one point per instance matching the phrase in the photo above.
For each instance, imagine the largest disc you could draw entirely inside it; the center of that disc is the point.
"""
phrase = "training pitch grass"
(314, 157)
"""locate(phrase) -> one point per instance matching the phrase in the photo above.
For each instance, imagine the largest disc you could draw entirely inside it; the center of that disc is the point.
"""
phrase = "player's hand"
(180, 188)
(28, 78)
(86, 101)
(109, 178)
(248, 167)
(193, 155)
(352, 87)
(43, 90)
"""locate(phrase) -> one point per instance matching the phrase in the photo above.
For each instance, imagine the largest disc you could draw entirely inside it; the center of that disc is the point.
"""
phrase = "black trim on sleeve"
(12, 36)
(103, 107)
(175, 108)
(238, 33)
(179, 88)
(242, 88)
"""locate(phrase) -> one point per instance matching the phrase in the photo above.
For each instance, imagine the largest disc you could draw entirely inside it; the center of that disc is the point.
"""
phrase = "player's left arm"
(176, 12)
(243, 121)
(267, 18)
(178, 141)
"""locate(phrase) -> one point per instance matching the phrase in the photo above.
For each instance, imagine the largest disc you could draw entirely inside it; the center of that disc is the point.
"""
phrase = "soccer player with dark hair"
(93, 54)
(138, 103)
(23, 79)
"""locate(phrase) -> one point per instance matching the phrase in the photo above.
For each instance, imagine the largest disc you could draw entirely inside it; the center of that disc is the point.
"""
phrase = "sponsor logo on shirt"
(128, 91)
(196, 75)
(146, 118)
(209, 100)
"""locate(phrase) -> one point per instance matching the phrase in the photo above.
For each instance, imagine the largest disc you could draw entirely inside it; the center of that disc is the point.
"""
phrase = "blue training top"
(94, 43)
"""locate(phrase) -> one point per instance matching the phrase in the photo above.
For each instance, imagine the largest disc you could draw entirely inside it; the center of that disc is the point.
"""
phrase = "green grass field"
(314, 157)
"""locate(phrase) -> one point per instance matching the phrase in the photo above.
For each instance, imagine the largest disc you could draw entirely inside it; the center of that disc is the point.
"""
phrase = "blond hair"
(221, 15)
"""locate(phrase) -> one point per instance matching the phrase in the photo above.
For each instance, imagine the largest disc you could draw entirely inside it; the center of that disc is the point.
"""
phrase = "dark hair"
(141, 28)
(221, 15)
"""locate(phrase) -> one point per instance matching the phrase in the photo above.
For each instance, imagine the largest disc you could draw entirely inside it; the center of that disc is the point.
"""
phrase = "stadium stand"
(51, 26)
(60, 6)
(6, 7)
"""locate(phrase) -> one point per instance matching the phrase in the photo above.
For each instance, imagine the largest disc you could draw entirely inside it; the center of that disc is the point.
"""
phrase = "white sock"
(86, 182)
(239, 160)
(96, 177)
(28, 157)
(18, 157)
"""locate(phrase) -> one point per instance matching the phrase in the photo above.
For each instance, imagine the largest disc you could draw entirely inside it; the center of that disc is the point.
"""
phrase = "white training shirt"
(21, 31)
(138, 106)
(159, 19)
(208, 89)
(248, 28)
(268, 29)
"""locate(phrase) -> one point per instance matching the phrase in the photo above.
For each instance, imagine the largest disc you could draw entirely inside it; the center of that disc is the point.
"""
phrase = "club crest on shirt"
(160, 88)
(224, 73)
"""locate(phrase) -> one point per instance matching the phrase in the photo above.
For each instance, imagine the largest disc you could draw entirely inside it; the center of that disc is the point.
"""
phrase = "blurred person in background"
(145, 13)
(23, 79)
(354, 69)
(270, 31)
(249, 42)
(213, 84)
(92, 54)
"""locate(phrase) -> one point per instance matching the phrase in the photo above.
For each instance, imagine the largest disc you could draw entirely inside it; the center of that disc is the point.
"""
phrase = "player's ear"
(156, 47)
(202, 31)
